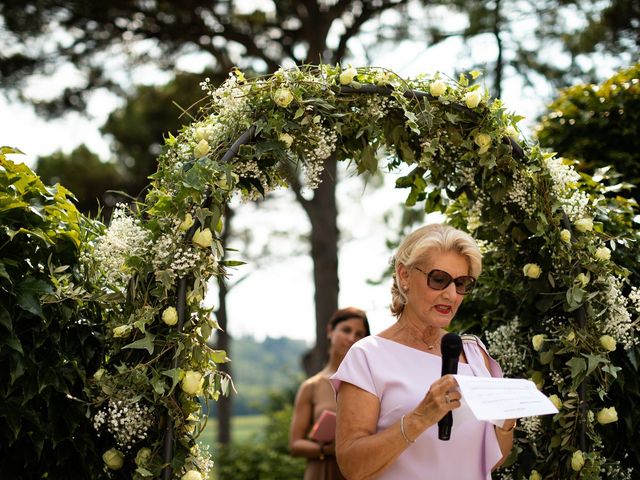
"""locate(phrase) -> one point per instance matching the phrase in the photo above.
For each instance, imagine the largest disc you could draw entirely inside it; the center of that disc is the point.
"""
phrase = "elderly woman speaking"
(391, 394)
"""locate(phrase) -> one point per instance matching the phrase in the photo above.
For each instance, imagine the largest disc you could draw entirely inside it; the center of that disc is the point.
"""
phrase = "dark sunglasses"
(439, 280)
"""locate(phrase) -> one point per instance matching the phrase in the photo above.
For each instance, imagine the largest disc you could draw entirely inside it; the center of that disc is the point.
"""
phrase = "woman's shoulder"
(474, 347)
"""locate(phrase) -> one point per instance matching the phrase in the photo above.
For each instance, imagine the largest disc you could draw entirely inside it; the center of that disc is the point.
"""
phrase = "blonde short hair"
(419, 244)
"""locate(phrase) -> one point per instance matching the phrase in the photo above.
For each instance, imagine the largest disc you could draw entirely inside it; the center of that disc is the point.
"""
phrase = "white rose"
(283, 97)
(513, 133)
(203, 238)
(383, 78)
(347, 76)
(565, 236)
(603, 253)
(582, 280)
(143, 456)
(202, 148)
(286, 139)
(202, 133)
(531, 270)
(472, 99)
(192, 475)
(437, 88)
(584, 224)
(114, 459)
(537, 341)
(122, 331)
(483, 140)
(170, 316)
(192, 383)
(187, 223)
(556, 401)
(577, 460)
(98, 375)
(608, 343)
(607, 415)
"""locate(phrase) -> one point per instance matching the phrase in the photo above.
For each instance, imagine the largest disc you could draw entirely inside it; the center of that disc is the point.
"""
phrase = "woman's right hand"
(443, 396)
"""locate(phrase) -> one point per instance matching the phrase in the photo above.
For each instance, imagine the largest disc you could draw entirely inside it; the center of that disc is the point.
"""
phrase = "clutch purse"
(324, 430)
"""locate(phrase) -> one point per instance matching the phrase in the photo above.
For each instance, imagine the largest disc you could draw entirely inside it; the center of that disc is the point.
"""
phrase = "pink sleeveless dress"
(400, 377)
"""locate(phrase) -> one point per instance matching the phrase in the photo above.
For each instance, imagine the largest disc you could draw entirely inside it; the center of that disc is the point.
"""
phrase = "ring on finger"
(446, 398)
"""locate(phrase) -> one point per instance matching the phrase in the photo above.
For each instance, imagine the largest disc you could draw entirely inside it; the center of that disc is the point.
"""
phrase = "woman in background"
(315, 395)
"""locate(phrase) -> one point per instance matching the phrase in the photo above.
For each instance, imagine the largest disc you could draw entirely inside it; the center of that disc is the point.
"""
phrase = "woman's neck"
(332, 365)
(425, 336)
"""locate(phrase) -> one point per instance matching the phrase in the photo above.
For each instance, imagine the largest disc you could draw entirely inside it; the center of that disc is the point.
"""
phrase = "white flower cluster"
(532, 427)
(565, 179)
(615, 319)
(124, 238)
(475, 213)
(231, 101)
(634, 298)
(376, 107)
(520, 193)
(201, 457)
(169, 253)
(251, 169)
(129, 423)
(618, 472)
(507, 352)
(505, 473)
(320, 143)
(557, 378)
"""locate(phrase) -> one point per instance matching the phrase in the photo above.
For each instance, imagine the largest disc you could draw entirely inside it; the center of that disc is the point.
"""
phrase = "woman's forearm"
(368, 456)
(505, 440)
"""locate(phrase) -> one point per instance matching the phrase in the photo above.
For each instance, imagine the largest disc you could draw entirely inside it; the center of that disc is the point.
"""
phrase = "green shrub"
(269, 457)
(48, 341)
(599, 125)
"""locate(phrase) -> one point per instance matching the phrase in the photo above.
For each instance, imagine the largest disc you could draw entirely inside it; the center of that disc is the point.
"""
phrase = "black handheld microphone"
(451, 348)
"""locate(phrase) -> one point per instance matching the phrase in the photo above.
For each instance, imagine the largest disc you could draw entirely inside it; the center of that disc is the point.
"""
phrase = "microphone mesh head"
(451, 346)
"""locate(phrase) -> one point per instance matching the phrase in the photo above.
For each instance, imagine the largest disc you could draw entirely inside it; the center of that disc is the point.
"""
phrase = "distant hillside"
(262, 368)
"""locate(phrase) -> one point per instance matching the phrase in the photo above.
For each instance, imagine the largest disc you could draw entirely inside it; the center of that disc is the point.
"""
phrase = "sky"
(275, 298)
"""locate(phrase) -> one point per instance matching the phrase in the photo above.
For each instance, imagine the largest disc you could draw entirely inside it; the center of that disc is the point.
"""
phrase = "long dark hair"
(348, 313)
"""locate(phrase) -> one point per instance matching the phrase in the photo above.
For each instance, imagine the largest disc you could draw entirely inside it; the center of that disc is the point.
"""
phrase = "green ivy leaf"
(219, 356)
(145, 343)
(28, 293)
(578, 366)
(594, 361)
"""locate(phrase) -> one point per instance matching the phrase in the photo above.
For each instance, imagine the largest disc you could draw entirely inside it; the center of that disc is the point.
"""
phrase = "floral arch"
(554, 304)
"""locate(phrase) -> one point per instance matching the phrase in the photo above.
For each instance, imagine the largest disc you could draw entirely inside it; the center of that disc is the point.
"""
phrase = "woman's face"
(346, 333)
(435, 307)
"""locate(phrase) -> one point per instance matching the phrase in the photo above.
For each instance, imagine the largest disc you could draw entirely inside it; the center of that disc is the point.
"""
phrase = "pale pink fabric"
(400, 377)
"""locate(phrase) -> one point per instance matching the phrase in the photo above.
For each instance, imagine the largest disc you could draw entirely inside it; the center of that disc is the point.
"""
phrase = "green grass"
(243, 429)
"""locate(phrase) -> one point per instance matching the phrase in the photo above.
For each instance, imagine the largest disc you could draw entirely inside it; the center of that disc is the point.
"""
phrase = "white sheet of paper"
(495, 399)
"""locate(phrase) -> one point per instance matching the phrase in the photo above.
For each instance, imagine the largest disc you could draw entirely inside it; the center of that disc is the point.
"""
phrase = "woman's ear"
(403, 277)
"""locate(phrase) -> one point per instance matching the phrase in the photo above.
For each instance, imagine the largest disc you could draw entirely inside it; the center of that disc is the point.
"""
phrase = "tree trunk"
(323, 213)
(225, 403)
(497, 30)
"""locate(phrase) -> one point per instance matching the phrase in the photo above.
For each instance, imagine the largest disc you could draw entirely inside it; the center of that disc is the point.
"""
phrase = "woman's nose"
(450, 291)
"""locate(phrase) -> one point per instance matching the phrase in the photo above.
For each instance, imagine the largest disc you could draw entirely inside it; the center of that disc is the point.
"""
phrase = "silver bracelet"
(406, 439)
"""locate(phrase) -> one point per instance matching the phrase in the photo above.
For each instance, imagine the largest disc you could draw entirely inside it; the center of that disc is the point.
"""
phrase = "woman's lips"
(444, 309)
